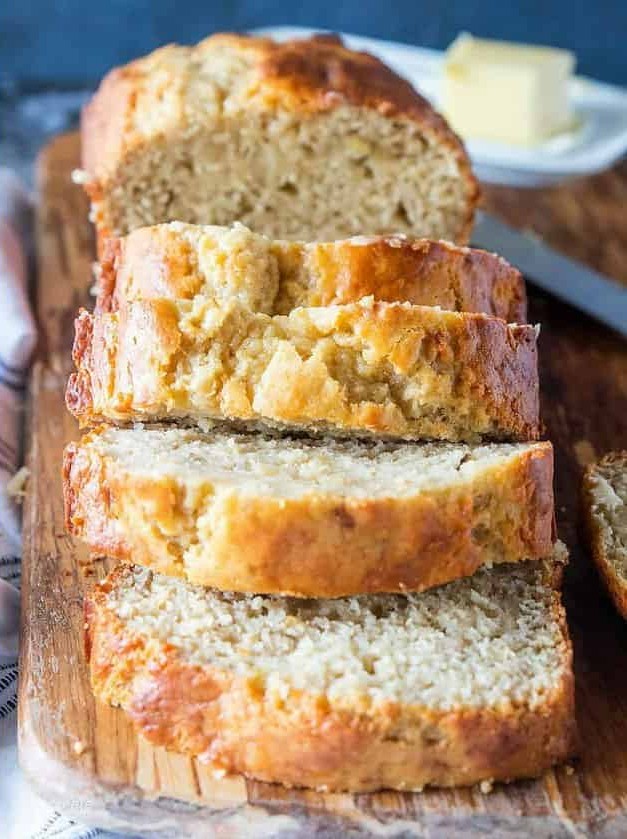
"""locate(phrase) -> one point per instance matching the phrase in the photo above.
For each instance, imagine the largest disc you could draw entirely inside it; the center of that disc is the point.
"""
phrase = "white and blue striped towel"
(22, 814)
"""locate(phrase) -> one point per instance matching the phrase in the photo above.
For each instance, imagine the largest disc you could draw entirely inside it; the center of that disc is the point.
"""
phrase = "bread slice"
(605, 505)
(389, 368)
(183, 261)
(305, 517)
(460, 684)
(304, 139)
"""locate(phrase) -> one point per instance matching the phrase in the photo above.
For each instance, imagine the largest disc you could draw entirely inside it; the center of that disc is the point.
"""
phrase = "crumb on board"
(584, 452)
(486, 786)
(16, 485)
(80, 176)
(78, 747)
(56, 368)
(96, 272)
(570, 770)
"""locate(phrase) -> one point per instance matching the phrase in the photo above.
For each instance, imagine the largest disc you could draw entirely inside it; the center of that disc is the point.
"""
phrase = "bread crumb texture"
(303, 139)
(313, 517)
(390, 368)
(466, 683)
(605, 500)
(273, 276)
(288, 467)
(473, 643)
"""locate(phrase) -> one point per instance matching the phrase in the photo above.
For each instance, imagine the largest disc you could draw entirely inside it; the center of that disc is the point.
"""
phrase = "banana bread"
(182, 261)
(468, 682)
(368, 367)
(605, 505)
(304, 139)
(307, 517)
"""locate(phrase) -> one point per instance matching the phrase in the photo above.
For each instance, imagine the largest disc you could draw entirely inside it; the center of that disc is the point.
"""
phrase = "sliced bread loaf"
(183, 261)
(390, 368)
(605, 505)
(460, 684)
(303, 139)
(305, 517)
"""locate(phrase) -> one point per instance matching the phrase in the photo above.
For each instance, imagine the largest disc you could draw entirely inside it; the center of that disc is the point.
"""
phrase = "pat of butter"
(512, 93)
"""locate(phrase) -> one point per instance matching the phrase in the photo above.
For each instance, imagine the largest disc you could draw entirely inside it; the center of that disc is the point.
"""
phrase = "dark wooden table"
(87, 759)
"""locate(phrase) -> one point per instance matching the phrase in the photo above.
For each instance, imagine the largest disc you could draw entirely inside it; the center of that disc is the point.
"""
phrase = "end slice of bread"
(297, 140)
(183, 261)
(312, 518)
(464, 683)
(394, 369)
(605, 505)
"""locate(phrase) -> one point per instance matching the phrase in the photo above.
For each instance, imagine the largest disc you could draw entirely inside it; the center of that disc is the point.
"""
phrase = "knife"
(593, 293)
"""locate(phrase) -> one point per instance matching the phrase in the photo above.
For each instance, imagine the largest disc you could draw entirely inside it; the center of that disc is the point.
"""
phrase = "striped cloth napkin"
(22, 814)
(18, 336)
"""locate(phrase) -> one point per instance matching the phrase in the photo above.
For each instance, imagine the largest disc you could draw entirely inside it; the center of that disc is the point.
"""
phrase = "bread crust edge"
(306, 741)
(160, 261)
(499, 373)
(316, 545)
(296, 73)
(613, 585)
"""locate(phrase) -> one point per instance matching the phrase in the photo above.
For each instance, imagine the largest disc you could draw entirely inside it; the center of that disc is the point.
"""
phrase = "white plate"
(601, 110)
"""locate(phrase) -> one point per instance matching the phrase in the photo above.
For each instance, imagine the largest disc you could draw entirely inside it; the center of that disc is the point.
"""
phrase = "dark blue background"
(73, 42)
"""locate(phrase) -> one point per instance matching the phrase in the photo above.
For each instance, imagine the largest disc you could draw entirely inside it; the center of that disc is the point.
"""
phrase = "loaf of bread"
(305, 517)
(387, 368)
(304, 139)
(331, 606)
(464, 683)
(605, 506)
(182, 261)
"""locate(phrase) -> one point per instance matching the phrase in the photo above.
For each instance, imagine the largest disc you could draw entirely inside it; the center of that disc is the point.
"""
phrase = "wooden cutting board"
(86, 758)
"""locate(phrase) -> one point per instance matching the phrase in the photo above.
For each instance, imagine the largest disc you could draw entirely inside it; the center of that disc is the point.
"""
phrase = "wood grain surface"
(86, 758)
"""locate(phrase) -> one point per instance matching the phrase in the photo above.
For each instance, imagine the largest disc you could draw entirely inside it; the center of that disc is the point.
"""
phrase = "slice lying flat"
(316, 518)
(464, 683)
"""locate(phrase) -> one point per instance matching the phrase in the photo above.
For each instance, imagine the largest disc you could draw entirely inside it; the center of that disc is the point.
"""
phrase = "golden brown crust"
(161, 261)
(304, 76)
(614, 583)
(477, 376)
(422, 272)
(307, 741)
(314, 545)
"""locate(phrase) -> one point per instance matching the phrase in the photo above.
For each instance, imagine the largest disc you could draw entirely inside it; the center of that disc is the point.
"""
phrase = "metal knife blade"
(593, 293)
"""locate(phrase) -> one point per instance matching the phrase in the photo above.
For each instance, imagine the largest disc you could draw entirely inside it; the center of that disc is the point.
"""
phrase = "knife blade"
(593, 293)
